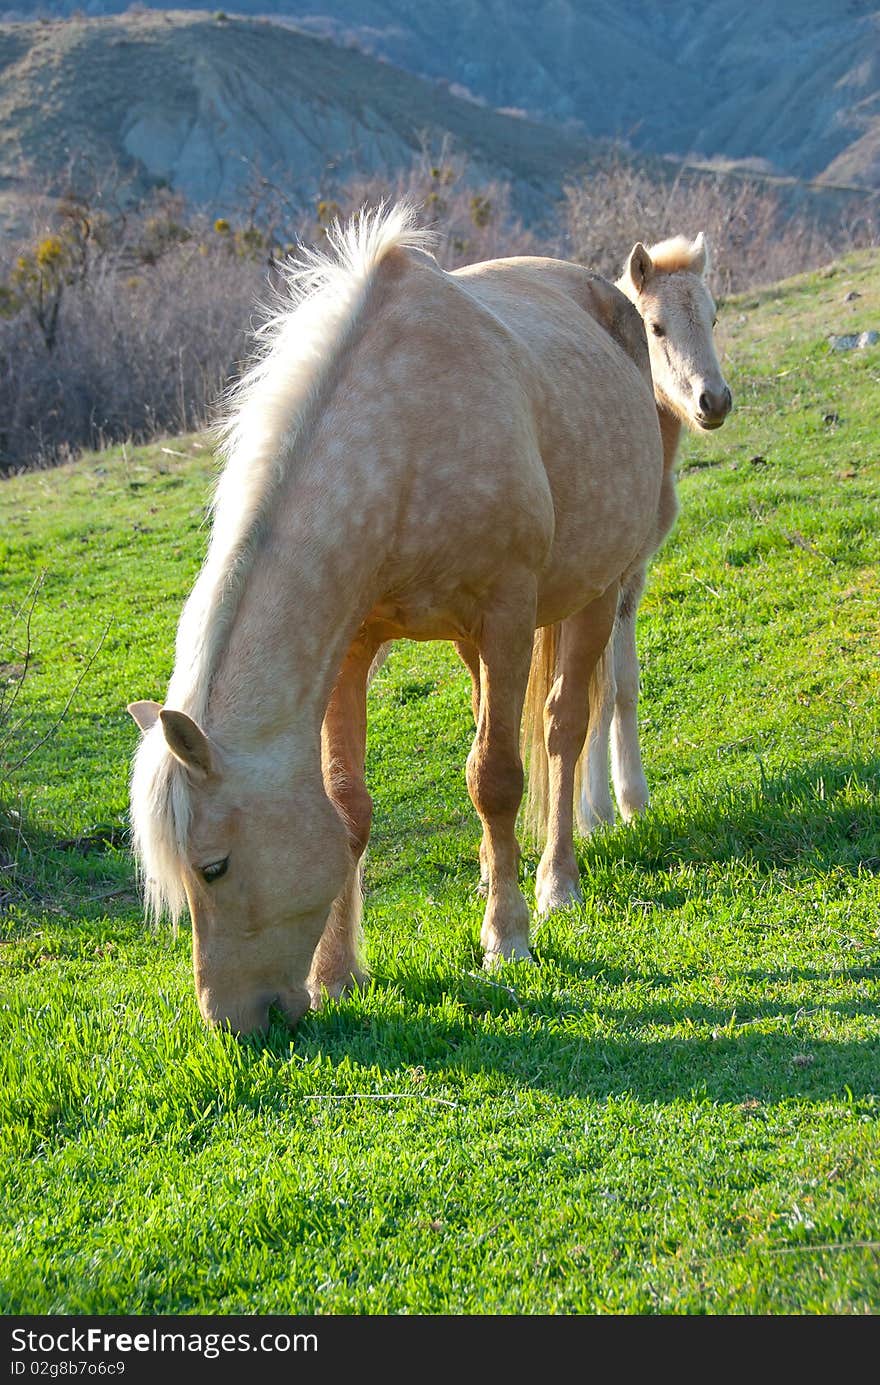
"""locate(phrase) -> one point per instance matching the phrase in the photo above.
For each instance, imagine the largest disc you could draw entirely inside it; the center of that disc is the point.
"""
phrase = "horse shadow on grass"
(819, 816)
(42, 871)
(729, 1068)
(808, 818)
(816, 819)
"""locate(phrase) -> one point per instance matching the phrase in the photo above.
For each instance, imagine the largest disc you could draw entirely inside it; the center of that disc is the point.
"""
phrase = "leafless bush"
(126, 324)
(128, 327)
(141, 344)
(472, 217)
(755, 237)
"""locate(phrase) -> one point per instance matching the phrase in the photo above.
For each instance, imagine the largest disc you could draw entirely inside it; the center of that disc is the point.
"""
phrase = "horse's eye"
(714, 322)
(212, 872)
(658, 330)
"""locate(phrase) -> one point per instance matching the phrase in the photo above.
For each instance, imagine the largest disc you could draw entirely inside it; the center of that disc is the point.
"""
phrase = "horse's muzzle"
(253, 1015)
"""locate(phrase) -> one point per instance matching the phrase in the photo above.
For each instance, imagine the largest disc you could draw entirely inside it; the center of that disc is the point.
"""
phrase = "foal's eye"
(714, 322)
(658, 330)
(212, 872)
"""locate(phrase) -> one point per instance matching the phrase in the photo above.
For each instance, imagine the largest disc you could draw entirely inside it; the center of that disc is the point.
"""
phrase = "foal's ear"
(639, 266)
(146, 714)
(187, 742)
(700, 259)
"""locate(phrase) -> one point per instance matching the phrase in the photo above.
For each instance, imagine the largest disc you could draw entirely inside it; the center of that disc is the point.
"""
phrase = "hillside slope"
(199, 104)
(791, 82)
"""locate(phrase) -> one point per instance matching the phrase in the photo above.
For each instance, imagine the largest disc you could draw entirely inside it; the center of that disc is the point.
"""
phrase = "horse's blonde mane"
(267, 413)
(676, 253)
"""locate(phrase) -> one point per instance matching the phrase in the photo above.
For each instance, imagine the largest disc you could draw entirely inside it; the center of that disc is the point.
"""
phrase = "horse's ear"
(146, 714)
(187, 742)
(700, 258)
(639, 266)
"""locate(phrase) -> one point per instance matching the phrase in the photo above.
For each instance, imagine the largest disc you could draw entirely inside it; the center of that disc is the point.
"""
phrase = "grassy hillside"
(203, 103)
(675, 1111)
(791, 82)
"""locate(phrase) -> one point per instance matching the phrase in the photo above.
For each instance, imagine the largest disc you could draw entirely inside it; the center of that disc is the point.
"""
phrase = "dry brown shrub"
(755, 235)
(135, 330)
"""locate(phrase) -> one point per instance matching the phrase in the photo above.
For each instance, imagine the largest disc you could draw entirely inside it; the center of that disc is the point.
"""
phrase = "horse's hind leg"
(630, 784)
(337, 964)
(494, 766)
(582, 639)
(470, 657)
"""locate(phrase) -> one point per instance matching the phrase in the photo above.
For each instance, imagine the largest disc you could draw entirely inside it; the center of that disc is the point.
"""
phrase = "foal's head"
(668, 286)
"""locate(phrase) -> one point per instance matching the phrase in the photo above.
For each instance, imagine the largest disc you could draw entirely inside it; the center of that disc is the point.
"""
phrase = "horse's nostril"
(293, 1004)
(713, 405)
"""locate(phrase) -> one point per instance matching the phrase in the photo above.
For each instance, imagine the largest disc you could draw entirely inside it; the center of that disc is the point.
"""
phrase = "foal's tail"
(533, 748)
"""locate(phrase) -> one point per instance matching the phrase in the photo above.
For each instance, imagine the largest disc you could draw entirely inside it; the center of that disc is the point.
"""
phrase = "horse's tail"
(601, 698)
(378, 660)
(532, 746)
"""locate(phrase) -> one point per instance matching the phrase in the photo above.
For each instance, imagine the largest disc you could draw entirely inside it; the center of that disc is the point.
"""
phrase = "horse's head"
(257, 852)
(668, 286)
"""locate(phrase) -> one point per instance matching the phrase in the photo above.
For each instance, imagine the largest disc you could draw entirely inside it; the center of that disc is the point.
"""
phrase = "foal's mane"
(669, 256)
(266, 416)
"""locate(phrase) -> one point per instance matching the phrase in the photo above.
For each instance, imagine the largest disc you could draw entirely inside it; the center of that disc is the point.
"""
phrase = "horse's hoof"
(514, 952)
(632, 797)
(557, 895)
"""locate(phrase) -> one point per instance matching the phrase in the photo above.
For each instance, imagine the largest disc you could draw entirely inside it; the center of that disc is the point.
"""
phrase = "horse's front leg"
(582, 639)
(494, 766)
(337, 964)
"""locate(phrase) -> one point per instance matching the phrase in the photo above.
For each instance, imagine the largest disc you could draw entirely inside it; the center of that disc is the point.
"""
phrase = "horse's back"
(509, 414)
(446, 383)
(516, 286)
(593, 402)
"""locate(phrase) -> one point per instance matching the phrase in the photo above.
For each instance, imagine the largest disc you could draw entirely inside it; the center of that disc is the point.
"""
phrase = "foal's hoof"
(592, 816)
(509, 952)
(633, 805)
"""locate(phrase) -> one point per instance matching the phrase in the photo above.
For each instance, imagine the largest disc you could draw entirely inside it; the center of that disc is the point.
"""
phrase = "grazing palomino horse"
(416, 454)
(667, 284)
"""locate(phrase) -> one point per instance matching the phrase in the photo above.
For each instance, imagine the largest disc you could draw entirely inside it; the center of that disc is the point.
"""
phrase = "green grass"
(674, 1111)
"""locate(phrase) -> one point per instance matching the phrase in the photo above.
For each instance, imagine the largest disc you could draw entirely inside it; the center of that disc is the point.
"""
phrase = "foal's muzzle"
(713, 407)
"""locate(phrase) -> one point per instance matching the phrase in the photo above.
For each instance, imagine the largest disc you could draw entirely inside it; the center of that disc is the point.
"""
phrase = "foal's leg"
(630, 784)
(470, 657)
(337, 965)
(494, 767)
(566, 715)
